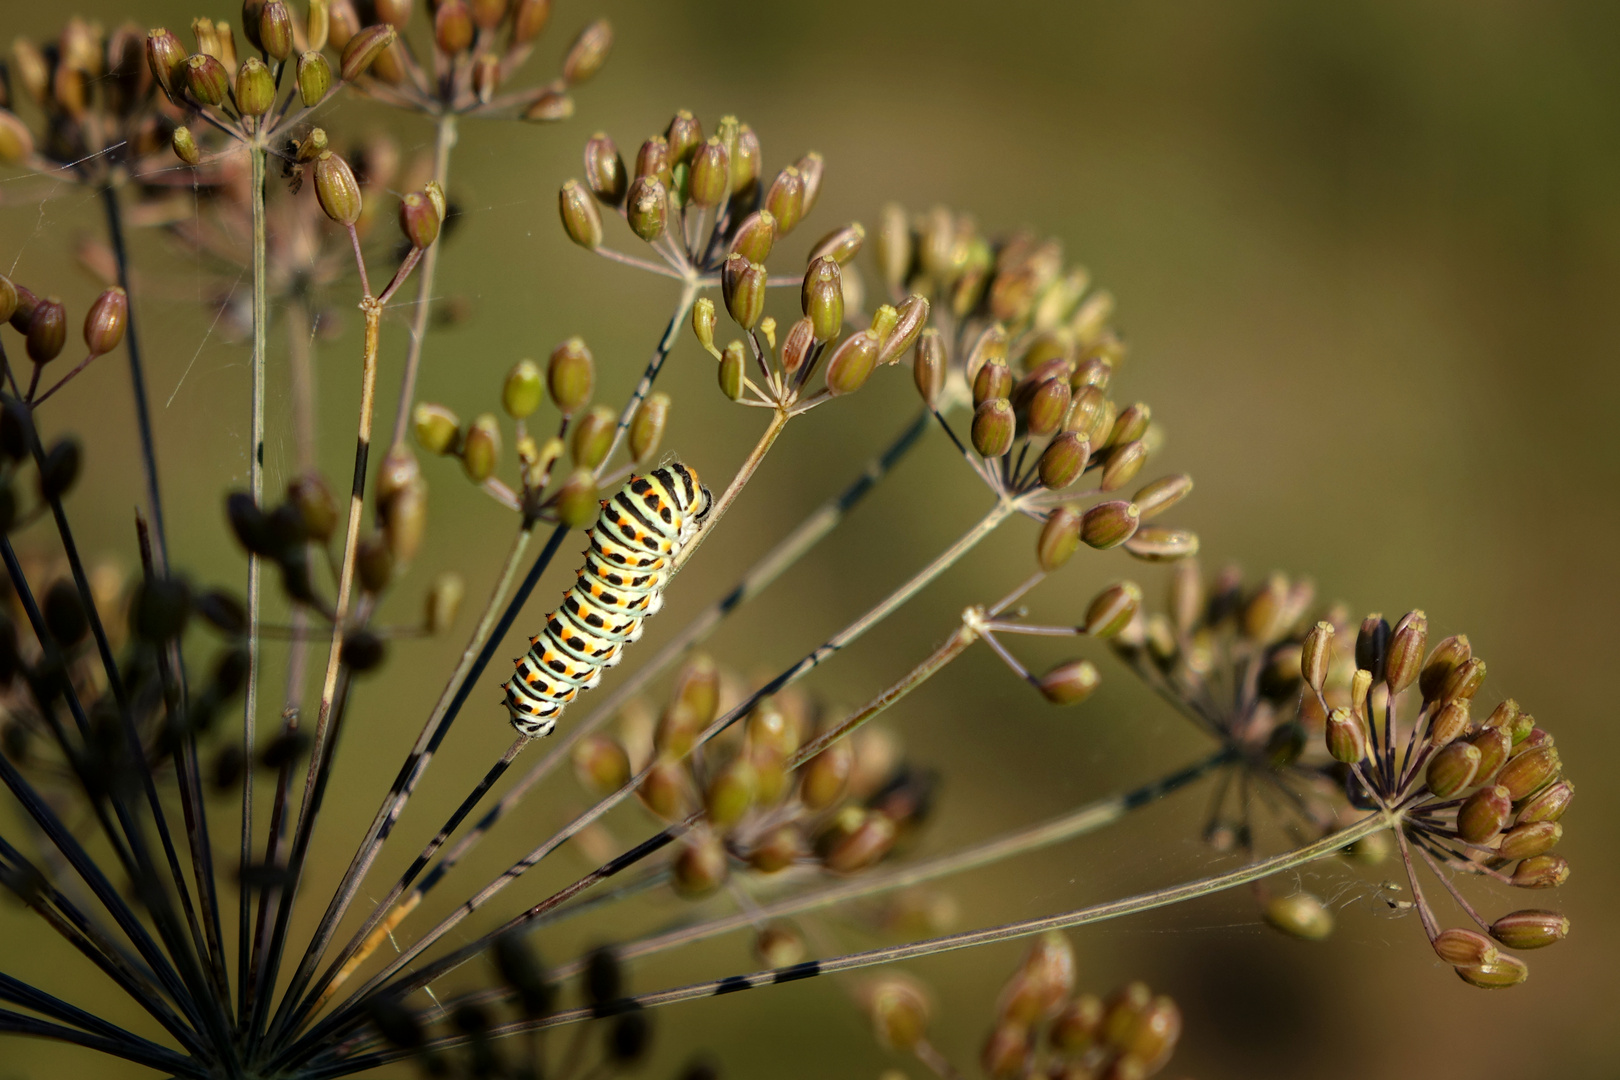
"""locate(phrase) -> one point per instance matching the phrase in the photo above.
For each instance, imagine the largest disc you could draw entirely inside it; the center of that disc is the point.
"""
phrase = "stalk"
(427, 269)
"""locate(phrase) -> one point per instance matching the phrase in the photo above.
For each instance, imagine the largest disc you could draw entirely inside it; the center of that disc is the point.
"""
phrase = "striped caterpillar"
(634, 544)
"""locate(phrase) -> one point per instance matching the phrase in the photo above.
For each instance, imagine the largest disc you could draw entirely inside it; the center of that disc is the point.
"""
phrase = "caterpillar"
(634, 544)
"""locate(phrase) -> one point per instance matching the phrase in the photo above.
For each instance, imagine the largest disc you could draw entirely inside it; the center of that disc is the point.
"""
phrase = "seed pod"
(363, 48)
(778, 945)
(825, 776)
(1484, 814)
(1069, 683)
(579, 216)
(703, 320)
(899, 1010)
(1047, 407)
(1548, 804)
(437, 428)
(862, 846)
(852, 362)
(601, 764)
(779, 849)
(523, 390)
(374, 563)
(1446, 657)
(1112, 610)
(1063, 460)
(1449, 724)
(648, 208)
(1317, 656)
(418, 220)
(708, 182)
(1299, 915)
(801, 338)
(604, 170)
(255, 88)
(105, 321)
(1464, 680)
(1534, 739)
(1541, 872)
(841, 245)
(785, 199)
(1160, 495)
(206, 78)
(570, 375)
(9, 300)
(16, 141)
(1406, 647)
(453, 27)
(481, 448)
(731, 792)
(701, 866)
(272, 30)
(731, 371)
(577, 500)
(1155, 543)
(928, 367)
(1346, 735)
(647, 426)
(318, 25)
(336, 188)
(822, 298)
(1530, 839)
(1493, 744)
(529, 18)
(664, 790)
(164, 56)
(593, 437)
(1122, 464)
(993, 427)
(1109, 524)
(442, 603)
(47, 330)
(653, 160)
(1457, 946)
(1505, 972)
(743, 284)
(994, 380)
(588, 53)
(1041, 984)
(1530, 929)
(317, 510)
(754, 237)
(314, 78)
(1453, 769)
(1372, 646)
(913, 315)
(1529, 771)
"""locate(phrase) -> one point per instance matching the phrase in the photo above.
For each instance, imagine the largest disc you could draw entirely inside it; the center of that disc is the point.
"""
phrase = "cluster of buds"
(42, 324)
(477, 47)
(586, 436)
(840, 813)
(696, 201)
(93, 91)
(1468, 795)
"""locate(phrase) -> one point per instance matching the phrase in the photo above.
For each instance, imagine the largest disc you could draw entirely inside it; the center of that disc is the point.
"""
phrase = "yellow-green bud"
(593, 436)
(754, 237)
(648, 208)
(1069, 683)
(588, 53)
(647, 426)
(580, 218)
(314, 78)
(731, 371)
(336, 188)
(362, 50)
(577, 500)
(523, 390)
(822, 298)
(993, 427)
(481, 449)
(1112, 610)
(852, 362)
(1299, 915)
(570, 375)
(105, 321)
(438, 430)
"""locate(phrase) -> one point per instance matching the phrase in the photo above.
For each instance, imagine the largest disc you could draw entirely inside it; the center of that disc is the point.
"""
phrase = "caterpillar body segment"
(634, 544)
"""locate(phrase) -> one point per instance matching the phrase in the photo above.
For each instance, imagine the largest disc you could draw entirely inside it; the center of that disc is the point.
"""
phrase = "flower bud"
(1457, 946)
(1483, 814)
(336, 188)
(164, 56)
(743, 284)
(648, 208)
(105, 321)
(913, 316)
(443, 602)
(647, 426)
(570, 375)
(601, 764)
(785, 199)
(731, 371)
(1346, 735)
(577, 500)
(593, 437)
(1505, 972)
(481, 448)
(579, 216)
(870, 840)
(1112, 610)
(588, 53)
(1541, 872)
(1069, 683)
(993, 427)
(437, 428)
(1548, 804)
(529, 18)
(1530, 929)
(1317, 656)
(1529, 771)
(1453, 769)
(317, 510)
(1299, 915)
(701, 866)
(1109, 524)
(47, 330)
(363, 48)
(1123, 463)
(852, 363)
(822, 298)
(1155, 543)
(1059, 539)
(206, 78)
(1530, 839)
(899, 1010)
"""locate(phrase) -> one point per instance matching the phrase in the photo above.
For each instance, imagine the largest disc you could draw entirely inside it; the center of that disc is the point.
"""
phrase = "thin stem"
(745, 473)
(683, 307)
(444, 142)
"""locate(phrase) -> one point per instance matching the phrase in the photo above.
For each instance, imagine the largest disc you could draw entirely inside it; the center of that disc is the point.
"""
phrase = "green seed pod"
(779, 849)
(1048, 405)
(318, 26)
(994, 380)
(928, 367)
(317, 510)
(899, 1010)
(601, 764)
(314, 78)
(9, 301)
(684, 135)
(396, 13)
(1541, 872)
(593, 436)
(577, 501)
(418, 220)
(825, 777)
(648, 208)
(1484, 814)
(1154, 1038)
(812, 167)
(453, 27)
(653, 160)
(822, 298)
(1131, 425)
(731, 371)
(1530, 839)
(1069, 683)
(1109, 524)
(785, 199)
(1535, 739)
(274, 29)
(743, 286)
(1493, 744)
(884, 320)
(1006, 1051)
(862, 846)
(588, 53)
(437, 429)
(1299, 915)
(363, 48)
(1449, 724)
(1155, 543)
(1346, 735)
(105, 321)
(1548, 804)
(570, 375)
(1453, 769)
(1317, 655)
(913, 315)
(481, 448)
(1505, 972)
(1160, 495)
(1059, 539)
(852, 362)
(894, 246)
(1406, 647)
(529, 18)
(336, 188)
(206, 78)
(1528, 771)
(1122, 464)
(701, 867)
(993, 427)
(549, 107)
(1112, 610)
(754, 237)
(164, 57)
(1041, 984)
(840, 245)
(1456, 946)
(1445, 658)
(373, 563)
(703, 320)
(523, 390)
(604, 170)
(647, 426)
(47, 330)
(731, 792)
(778, 945)
(1464, 680)
(1530, 929)
(664, 790)
(580, 219)
(1063, 460)
(185, 145)
(708, 181)
(443, 602)
(405, 521)
(796, 346)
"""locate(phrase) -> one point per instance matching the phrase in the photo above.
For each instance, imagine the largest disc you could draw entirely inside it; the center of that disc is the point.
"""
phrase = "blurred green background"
(1361, 252)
